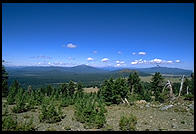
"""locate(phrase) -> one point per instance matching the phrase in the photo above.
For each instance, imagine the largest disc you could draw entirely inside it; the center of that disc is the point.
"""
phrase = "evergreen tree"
(79, 87)
(71, 88)
(187, 83)
(64, 89)
(49, 90)
(157, 85)
(192, 83)
(4, 81)
(134, 83)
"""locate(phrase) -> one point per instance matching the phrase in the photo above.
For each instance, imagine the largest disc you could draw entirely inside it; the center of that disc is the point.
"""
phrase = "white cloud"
(153, 61)
(122, 62)
(70, 45)
(118, 65)
(142, 53)
(117, 61)
(133, 53)
(90, 59)
(177, 61)
(119, 52)
(169, 61)
(105, 60)
(134, 62)
(157, 60)
(49, 63)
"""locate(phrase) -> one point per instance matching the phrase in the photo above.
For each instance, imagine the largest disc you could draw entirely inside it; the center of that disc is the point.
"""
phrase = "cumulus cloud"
(177, 61)
(157, 60)
(105, 60)
(90, 59)
(169, 61)
(70, 45)
(134, 62)
(133, 53)
(153, 61)
(118, 65)
(142, 53)
(117, 61)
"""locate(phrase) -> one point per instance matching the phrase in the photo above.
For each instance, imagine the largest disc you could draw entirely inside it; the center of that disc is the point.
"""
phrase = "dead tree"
(168, 84)
(125, 101)
(187, 90)
(182, 81)
(29, 89)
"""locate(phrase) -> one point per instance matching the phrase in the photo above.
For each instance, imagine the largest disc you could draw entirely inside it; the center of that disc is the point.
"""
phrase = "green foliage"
(90, 111)
(4, 82)
(134, 83)
(71, 88)
(20, 102)
(162, 97)
(157, 85)
(49, 113)
(12, 92)
(9, 123)
(66, 101)
(79, 87)
(128, 123)
(113, 90)
(189, 97)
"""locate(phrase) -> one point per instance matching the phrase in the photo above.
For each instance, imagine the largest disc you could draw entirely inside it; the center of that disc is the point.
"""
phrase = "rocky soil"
(174, 116)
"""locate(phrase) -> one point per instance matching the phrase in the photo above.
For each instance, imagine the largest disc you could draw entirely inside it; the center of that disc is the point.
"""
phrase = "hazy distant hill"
(166, 70)
(86, 74)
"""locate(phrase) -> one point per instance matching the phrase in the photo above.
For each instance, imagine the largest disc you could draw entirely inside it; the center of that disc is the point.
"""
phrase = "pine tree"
(71, 88)
(157, 85)
(4, 81)
(134, 83)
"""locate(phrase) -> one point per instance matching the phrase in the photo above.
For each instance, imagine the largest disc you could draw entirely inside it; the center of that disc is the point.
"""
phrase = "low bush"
(128, 123)
(90, 112)
(189, 97)
(49, 113)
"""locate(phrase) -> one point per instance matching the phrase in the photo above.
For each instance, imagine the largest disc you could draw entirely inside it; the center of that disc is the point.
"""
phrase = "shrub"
(20, 102)
(90, 112)
(9, 123)
(49, 113)
(189, 97)
(128, 123)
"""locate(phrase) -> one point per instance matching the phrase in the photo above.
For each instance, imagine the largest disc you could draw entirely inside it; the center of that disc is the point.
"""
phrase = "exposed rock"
(174, 125)
(141, 102)
(191, 106)
(166, 107)
(148, 105)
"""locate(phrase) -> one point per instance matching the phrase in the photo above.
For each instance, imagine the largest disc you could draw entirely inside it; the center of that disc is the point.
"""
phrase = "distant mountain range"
(33, 75)
(84, 69)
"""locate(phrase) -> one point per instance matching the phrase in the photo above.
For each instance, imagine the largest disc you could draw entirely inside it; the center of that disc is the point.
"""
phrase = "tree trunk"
(171, 90)
(127, 101)
(181, 86)
(132, 91)
(187, 90)
(122, 100)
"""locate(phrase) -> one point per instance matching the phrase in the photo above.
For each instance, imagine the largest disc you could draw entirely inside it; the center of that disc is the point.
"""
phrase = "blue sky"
(102, 34)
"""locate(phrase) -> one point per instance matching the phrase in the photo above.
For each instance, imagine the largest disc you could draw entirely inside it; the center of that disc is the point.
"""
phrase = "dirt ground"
(151, 118)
